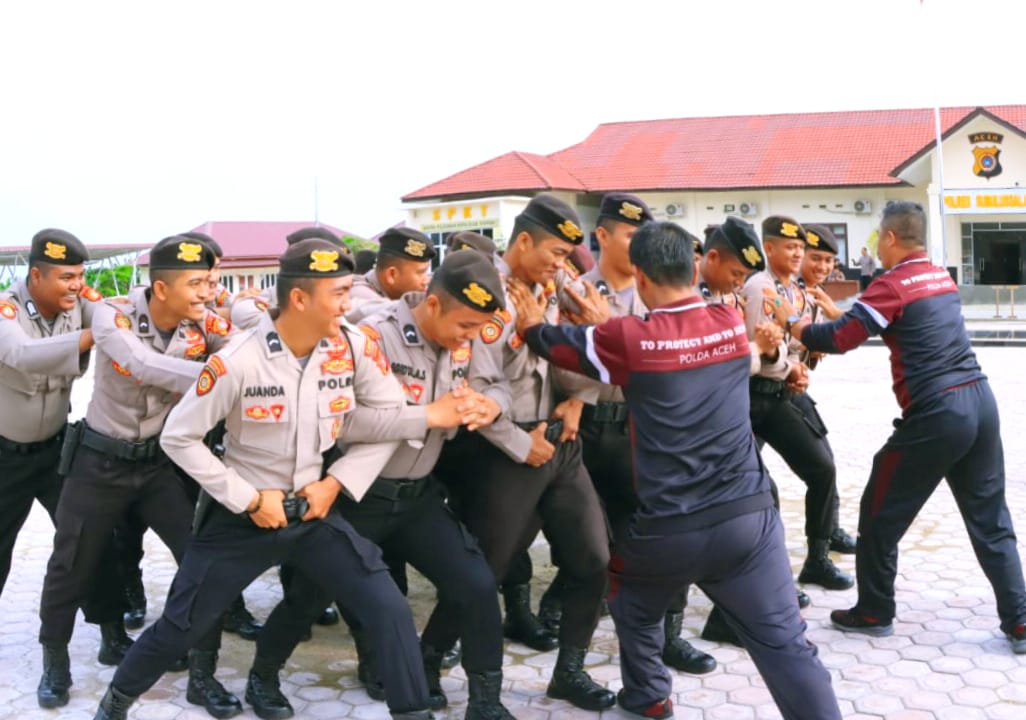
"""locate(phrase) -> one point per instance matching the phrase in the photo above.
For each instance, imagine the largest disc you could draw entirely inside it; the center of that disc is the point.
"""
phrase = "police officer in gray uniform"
(145, 345)
(532, 477)
(403, 264)
(283, 390)
(426, 339)
(44, 346)
(775, 419)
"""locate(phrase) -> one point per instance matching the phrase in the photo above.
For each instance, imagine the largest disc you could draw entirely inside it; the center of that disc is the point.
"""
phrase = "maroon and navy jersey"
(915, 308)
(684, 372)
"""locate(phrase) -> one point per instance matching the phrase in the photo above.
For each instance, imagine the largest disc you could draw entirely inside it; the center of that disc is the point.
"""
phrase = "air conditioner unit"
(747, 209)
(676, 210)
(862, 207)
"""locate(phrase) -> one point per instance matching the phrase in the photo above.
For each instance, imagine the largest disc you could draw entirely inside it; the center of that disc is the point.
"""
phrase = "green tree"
(102, 279)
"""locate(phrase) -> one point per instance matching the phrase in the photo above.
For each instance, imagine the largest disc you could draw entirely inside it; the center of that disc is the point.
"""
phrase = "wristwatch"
(791, 320)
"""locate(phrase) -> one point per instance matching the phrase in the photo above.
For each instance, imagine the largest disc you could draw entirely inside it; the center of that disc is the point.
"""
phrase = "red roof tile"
(840, 149)
(512, 171)
(252, 242)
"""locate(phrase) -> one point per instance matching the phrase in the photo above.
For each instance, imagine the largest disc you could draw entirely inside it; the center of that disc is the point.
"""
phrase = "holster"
(204, 506)
(72, 439)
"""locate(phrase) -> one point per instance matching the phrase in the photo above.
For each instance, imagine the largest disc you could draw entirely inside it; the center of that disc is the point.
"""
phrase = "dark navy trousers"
(742, 565)
(955, 435)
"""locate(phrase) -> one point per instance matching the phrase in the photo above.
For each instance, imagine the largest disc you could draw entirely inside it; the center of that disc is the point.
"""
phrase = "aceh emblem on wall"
(986, 159)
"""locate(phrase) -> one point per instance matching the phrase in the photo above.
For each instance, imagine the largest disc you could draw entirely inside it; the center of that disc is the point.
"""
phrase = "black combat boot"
(239, 620)
(679, 654)
(413, 715)
(433, 673)
(521, 624)
(484, 703)
(56, 680)
(328, 617)
(135, 596)
(842, 542)
(819, 569)
(114, 705)
(570, 682)
(717, 630)
(205, 690)
(550, 607)
(453, 656)
(367, 668)
(114, 643)
(263, 691)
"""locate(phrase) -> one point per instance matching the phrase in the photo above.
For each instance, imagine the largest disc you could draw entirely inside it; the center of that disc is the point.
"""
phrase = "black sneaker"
(854, 621)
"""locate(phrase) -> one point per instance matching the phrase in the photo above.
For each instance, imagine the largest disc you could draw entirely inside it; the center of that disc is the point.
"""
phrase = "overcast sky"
(126, 122)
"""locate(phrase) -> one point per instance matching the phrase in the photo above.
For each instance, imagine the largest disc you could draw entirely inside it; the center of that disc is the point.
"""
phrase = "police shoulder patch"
(122, 321)
(91, 294)
(8, 309)
(206, 380)
(217, 325)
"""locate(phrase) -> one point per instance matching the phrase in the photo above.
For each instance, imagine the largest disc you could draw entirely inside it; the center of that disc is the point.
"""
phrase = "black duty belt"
(128, 450)
(605, 412)
(399, 488)
(765, 386)
(30, 448)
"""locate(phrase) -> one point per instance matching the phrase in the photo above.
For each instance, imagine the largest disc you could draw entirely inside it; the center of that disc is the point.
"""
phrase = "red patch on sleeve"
(8, 310)
(217, 325)
(91, 294)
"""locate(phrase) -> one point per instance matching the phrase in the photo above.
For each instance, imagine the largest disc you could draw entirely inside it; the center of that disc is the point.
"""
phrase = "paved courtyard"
(946, 660)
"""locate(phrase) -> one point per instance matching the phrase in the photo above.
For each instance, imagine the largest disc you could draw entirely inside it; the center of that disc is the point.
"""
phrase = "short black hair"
(164, 275)
(285, 285)
(44, 267)
(907, 220)
(445, 298)
(387, 260)
(523, 224)
(364, 260)
(665, 253)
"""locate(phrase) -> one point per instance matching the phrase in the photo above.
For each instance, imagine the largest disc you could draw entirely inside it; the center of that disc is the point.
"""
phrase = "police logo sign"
(986, 158)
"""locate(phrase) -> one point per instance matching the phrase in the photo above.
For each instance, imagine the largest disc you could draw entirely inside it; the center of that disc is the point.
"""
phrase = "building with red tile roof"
(837, 168)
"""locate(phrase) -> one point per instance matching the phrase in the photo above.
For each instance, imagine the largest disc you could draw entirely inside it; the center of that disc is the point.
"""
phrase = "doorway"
(999, 256)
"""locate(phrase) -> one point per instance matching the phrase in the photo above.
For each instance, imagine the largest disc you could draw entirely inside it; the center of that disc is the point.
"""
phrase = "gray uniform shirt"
(759, 308)
(246, 312)
(139, 377)
(367, 296)
(38, 363)
(426, 372)
(501, 357)
(279, 416)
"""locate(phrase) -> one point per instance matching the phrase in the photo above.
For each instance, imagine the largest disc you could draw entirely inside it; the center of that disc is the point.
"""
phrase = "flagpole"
(940, 171)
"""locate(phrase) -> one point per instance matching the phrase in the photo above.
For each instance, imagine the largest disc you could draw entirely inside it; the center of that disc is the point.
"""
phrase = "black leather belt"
(399, 489)
(605, 412)
(765, 386)
(31, 448)
(128, 450)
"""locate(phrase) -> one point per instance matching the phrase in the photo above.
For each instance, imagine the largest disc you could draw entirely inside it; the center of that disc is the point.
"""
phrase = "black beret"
(407, 243)
(315, 258)
(554, 217)
(57, 247)
(207, 240)
(472, 279)
(819, 237)
(625, 208)
(316, 232)
(181, 253)
(740, 237)
(466, 240)
(781, 226)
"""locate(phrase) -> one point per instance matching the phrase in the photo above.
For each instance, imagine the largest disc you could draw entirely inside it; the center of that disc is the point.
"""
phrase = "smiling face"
(816, 266)
(723, 272)
(614, 240)
(538, 262)
(184, 292)
(325, 303)
(784, 255)
(55, 288)
(450, 323)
